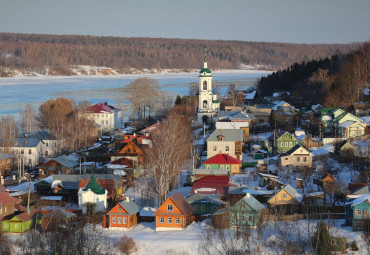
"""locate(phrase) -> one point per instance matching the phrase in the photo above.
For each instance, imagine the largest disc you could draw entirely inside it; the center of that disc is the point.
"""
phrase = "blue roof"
(27, 142)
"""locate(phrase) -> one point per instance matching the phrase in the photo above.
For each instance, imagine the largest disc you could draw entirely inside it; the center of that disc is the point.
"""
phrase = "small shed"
(56, 218)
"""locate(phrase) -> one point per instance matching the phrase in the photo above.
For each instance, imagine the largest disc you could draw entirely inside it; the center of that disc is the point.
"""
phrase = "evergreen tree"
(178, 100)
(321, 239)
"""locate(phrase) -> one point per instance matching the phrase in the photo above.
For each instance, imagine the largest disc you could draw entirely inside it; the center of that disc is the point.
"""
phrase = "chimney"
(248, 195)
(299, 183)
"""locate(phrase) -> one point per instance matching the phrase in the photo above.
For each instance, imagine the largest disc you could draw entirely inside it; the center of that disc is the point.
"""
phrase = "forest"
(334, 82)
(57, 54)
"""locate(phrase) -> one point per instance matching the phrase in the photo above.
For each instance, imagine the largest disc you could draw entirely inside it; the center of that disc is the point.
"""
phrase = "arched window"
(205, 85)
(205, 104)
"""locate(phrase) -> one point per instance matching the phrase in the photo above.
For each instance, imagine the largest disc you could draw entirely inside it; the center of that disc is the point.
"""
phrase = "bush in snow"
(127, 245)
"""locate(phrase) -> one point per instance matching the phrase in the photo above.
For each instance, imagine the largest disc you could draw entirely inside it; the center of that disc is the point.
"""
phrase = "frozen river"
(16, 92)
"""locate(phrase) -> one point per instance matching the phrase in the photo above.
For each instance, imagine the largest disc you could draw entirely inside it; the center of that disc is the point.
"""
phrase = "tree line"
(334, 81)
(56, 54)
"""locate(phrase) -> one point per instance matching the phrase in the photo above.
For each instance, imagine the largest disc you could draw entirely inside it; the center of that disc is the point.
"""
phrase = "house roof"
(292, 150)
(2, 189)
(353, 187)
(25, 216)
(181, 203)
(27, 142)
(278, 135)
(293, 192)
(42, 135)
(130, 206)
(252, 202)
(341, 144)
(102, 108)
(229, 135)
(65, 161)
(4, 156)
(222, 158)
(7, 199)
(77, 177)
(201, 198)
(59, 213)
(123, 161)
(328, 177)
(105, 184)
(205, 171)
(365, 198)
(94, 186)
(211, 185)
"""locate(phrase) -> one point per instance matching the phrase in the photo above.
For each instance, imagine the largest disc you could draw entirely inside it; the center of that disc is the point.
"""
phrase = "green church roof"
(205, 70)
(94, 186)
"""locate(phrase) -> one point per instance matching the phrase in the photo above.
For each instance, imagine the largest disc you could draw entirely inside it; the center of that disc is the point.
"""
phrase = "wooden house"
(6, 163)
(8, 205)
(281, 142)
(174, 214)
(122, 216)
(20, 223)
(287, 197)
(344, 149)
(245, 212)
(328, 181)
(223, 161)
(204, 205)
(228, 141)
(298, 157)
(359, 209)
(132, 150)
(59, 165)
(59, 216)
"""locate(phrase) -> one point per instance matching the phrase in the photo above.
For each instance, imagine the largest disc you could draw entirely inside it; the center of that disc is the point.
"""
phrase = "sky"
(294, 21)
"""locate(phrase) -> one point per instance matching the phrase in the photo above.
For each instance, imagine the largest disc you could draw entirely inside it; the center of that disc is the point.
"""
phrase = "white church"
(208, 104)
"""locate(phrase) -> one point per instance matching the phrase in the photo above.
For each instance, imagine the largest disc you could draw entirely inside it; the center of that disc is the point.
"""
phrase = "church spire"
(205, 62)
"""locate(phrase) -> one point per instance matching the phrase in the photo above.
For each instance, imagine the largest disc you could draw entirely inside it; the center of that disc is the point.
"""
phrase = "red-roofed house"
(174, 214)
(104, 115)
(211, 184)
(223, 161)
(8, 204)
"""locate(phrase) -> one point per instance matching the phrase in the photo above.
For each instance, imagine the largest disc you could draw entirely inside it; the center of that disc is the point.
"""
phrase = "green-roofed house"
(245, 212)
(205, 204)
(92, 193)
(208, 105)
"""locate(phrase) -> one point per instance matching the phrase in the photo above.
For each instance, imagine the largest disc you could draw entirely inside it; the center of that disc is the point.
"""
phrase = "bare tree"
(171, 147)
(28, 121)
(8, 132)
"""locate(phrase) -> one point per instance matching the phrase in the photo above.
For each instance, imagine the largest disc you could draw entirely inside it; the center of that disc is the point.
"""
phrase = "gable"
(130, 147)
(118, 209)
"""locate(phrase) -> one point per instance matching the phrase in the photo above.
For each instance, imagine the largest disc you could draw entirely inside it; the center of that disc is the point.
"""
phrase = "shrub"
(321, 239)
(127, 245)
(354, 246)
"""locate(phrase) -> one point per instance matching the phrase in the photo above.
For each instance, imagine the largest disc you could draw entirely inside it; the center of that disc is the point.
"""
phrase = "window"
(358, 212)
(22, 151)
(114, 219)
(283, 195)
(242, 205)
(119, 220)
(286, 159)
(177, 221)
(214, 148)
(222, 166)
(46, 153)
(286, 144)
(208, 166)
(106, 122)
(282, 144)
(242, 218)
(119, 208)
(196, 207)
(47, 144)
(227, 148)
(124, 220)
(169, 220)
(304, 159)
(205, 104)
(161, 220)
(214, 208)
(290, 144)
(260, 120)
(227, 167)
(365, 213)
(205, 85)
(102, 122)
(169, 207)
(16, 225)
(250, 218)
(298, 159)
(202, 207)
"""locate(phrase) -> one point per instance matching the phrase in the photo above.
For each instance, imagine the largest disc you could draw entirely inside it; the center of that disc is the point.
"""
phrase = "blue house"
(357, 211)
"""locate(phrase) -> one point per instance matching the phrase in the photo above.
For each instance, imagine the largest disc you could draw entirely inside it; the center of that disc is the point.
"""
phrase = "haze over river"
(15, 92)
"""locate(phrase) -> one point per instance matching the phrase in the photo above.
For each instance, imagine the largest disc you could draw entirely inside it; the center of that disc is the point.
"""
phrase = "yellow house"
(287, 196)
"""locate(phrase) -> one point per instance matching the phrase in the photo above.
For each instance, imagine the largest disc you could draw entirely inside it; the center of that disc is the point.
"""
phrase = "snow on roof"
(205, 190)
(119, 172)
(361, 199)
(48, 179)
(21, 187)
(55, 183)
(326, 117)
(366, 120)
(251, 95)
(56, 198)
(293, 192)
(346, 124)
(313, 194)
(258, 192)
(114, 166)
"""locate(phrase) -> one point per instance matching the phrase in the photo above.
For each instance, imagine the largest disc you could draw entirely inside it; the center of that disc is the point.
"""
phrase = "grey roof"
(131, 207)
(200, 198)
(77, 177)
(59, 213)
(42, 135)
(293, 192)
(241, 116)
(68, 185)
(292, 150)
(27, 142)
(211, 171)
(229, 134)
(4, 156)
(252, 202)
(226, 114)
(65, 161)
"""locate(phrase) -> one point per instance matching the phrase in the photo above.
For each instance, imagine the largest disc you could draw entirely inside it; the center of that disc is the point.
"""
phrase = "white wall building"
(92, 193)
(107, 117)
(208, 104)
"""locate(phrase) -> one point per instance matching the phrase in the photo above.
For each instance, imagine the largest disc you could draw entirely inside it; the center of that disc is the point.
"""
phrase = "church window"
(205, 104)
(205, 85)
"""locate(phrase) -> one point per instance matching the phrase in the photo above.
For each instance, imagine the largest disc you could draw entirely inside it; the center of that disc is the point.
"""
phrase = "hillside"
(33, 54)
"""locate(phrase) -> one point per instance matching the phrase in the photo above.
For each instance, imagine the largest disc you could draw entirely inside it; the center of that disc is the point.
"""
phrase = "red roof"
(222, 158)
(352, 187)
(7, 199)
(102, 108)
(25, 216)
(181, 203)
(107, 184)
(2, 189)
(151, 129)
(211, 184)
(123, 161)
(328, 178)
